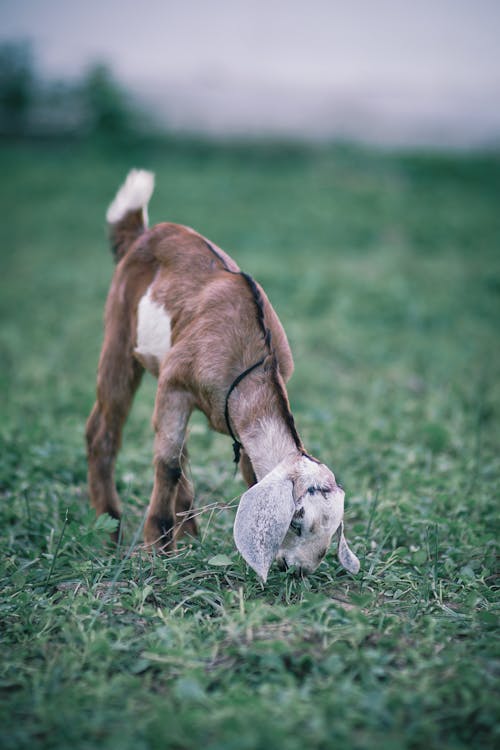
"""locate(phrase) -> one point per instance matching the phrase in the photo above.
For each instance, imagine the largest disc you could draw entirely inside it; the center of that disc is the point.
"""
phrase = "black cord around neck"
(237, 445)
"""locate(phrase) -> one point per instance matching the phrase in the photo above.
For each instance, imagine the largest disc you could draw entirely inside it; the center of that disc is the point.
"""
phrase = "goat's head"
(292, 515)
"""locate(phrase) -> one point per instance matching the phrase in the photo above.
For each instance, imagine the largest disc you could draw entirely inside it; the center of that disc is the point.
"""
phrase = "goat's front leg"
(172, 411)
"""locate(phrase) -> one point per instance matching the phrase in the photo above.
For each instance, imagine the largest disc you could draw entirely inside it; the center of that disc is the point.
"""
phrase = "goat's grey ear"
(262, 520)
(347, 558)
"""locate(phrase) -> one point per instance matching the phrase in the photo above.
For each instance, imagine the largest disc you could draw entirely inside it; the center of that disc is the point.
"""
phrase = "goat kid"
(180, 307)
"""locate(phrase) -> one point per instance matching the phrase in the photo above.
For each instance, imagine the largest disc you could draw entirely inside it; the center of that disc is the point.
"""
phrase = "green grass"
(385, 270)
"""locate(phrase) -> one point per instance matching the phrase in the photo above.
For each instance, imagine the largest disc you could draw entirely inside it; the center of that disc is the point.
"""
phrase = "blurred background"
(346, 154)
(390, 72)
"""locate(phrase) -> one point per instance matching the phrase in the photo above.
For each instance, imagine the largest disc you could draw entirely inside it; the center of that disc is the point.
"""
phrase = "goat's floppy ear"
(262, 520)
(347, 558)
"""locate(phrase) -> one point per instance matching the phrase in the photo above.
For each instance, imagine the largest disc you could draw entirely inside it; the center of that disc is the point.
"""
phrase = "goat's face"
(292, 515)
(319, 508)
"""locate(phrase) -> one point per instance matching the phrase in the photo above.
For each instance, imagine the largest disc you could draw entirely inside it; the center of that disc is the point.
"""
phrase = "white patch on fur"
(133, 195)
(311, 471)
(153, 329)
(267, 443)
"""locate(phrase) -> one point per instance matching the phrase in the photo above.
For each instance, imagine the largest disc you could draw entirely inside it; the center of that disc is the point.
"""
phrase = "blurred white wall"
(384, 71)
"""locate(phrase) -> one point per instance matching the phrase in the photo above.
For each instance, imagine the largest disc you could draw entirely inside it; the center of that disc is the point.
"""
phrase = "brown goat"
(181, 308)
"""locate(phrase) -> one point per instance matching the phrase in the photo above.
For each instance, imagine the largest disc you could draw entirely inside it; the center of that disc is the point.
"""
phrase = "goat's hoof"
(158, 535)
(189, 527)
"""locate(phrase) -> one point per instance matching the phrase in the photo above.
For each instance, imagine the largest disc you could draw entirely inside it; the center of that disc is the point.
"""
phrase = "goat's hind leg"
(119, 376)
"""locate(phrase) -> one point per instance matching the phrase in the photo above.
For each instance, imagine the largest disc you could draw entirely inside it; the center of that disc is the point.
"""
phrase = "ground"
(385, 270)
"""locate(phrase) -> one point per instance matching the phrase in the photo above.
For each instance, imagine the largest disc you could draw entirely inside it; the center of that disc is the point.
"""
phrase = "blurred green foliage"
(17, 86)
(108, 107)
(95, 105)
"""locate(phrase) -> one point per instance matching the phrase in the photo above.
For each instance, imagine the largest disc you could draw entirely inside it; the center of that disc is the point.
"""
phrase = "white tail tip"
(133, 195)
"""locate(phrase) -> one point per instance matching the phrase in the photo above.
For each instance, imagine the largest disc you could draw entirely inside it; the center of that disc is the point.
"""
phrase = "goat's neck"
(261, 427)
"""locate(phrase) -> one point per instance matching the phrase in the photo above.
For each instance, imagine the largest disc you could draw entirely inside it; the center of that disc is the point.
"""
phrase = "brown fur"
(217, 324)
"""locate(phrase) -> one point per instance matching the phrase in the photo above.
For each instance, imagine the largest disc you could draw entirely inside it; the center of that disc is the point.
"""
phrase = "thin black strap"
(219, 256)
(237, 446)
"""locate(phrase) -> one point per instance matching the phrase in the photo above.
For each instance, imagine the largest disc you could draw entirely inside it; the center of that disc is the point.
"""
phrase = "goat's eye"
(322, 490)
(296, 527)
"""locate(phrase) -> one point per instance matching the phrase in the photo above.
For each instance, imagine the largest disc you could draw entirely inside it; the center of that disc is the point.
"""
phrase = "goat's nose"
(301, 571)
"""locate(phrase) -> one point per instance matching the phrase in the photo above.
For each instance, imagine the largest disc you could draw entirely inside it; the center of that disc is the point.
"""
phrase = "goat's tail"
(127, 216)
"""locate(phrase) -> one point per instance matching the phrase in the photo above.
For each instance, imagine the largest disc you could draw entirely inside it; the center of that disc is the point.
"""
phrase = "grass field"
(385, 270)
